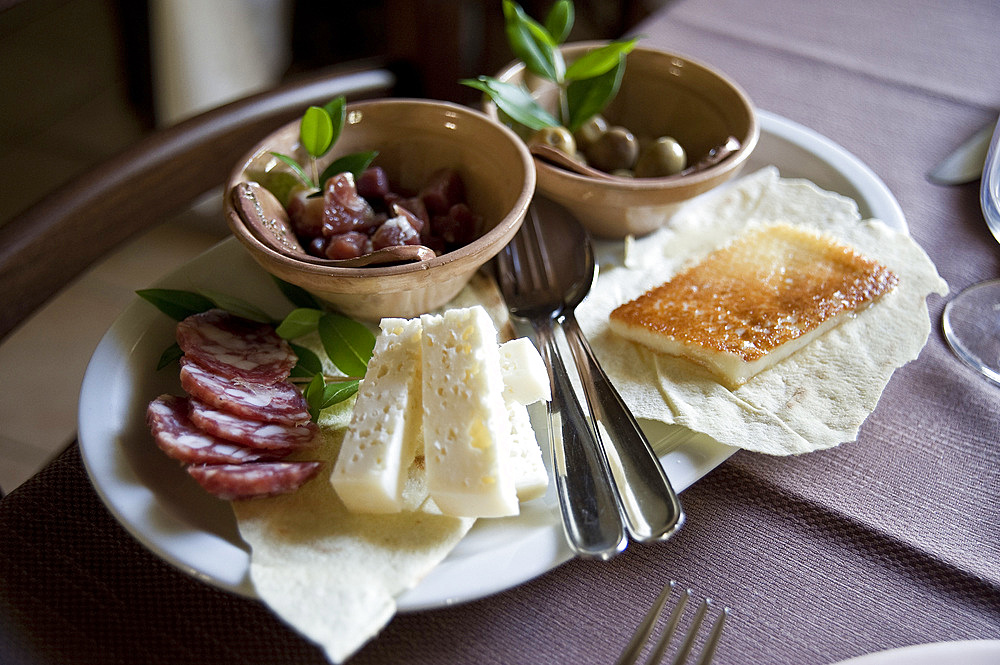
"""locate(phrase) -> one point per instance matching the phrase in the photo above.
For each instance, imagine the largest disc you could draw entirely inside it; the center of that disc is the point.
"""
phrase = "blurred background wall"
(81, 79)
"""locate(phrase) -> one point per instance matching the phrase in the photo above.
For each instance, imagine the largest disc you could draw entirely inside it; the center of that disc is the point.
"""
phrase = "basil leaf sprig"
(319, 129)
(346, 342)
(585, 87)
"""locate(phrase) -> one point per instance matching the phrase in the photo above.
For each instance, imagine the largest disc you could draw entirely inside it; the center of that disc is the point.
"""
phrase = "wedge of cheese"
(526, 381)
(525, 378)
(531, 478)
(384, 435)
(466, 424)
(754, 302)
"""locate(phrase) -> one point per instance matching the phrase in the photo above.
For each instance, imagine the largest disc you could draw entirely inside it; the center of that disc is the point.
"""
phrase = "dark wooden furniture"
(69, 230)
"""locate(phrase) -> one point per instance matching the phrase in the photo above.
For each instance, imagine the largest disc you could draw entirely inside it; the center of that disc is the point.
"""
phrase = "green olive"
(662, 157)
(590, 131)
(615, 149)
(554, 137)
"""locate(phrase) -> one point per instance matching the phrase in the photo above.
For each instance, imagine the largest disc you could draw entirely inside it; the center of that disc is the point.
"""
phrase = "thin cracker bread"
(813, 400)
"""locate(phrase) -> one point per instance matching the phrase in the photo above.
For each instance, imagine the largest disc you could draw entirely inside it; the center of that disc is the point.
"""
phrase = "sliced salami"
(235, 348)
(251, 433)
(279, 402)
(259, 479)
(175, 434)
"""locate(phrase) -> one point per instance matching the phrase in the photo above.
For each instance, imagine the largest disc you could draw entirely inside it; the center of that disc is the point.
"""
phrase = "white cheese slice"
(525, 378)
(466, 424)
(531, 479)
(384, 435)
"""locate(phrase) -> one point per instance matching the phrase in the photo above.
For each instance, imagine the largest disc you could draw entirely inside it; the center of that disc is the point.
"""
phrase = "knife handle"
(590, 515)
(646, 499)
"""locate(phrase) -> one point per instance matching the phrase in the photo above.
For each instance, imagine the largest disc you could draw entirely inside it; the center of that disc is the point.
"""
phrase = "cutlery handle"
(646, 499)
(590, 516)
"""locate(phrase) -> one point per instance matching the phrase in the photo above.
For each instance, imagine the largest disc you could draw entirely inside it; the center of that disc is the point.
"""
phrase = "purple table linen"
(888, 541)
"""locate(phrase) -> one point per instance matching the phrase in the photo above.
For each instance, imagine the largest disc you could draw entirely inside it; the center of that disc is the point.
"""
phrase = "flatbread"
(308, 554)
(813, 400)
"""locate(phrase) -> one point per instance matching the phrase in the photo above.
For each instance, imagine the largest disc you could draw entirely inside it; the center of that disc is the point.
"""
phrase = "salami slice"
(259, 479)
(235, 348)
(279, 402)
(177, 436)
(251, 433)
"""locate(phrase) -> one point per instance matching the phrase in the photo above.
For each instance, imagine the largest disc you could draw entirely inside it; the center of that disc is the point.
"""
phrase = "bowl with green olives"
(675, 129)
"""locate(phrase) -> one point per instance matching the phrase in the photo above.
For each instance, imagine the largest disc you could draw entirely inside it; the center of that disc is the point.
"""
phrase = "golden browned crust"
(768, 287)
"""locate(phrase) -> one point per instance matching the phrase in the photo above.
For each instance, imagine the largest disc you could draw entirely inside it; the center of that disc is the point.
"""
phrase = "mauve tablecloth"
(888, 541)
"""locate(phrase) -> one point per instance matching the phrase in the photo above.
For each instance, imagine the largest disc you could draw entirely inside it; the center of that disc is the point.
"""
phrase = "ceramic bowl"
(661, 94)
(414, 138)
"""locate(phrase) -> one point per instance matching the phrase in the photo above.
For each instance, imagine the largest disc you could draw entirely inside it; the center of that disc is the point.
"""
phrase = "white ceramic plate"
(969, 652)
(164, 509)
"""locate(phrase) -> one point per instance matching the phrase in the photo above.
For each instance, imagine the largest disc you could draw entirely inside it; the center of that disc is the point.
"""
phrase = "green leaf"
(590, 96)
(309, 363)
(337, 391)
(336, 108)
(355, 163)
(316, 131)
(296, 294)
(176, 304)
(600, 60)
(296, 169)
(279, 182)
(169, 356)
(531, 43)
(299, 322)
(559, 20)
(349, 344)
(313, 395)
(515, 101)
(236, 306)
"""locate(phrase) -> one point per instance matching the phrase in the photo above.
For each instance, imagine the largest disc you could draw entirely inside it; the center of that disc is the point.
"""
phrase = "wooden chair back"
(55, 240)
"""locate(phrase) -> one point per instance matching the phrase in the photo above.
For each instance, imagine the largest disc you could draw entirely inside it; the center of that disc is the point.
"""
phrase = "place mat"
(823, 586)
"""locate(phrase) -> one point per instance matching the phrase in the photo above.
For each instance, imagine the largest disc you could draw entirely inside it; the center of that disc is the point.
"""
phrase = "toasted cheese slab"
(748, 305)
(465, 421)
(384, 435)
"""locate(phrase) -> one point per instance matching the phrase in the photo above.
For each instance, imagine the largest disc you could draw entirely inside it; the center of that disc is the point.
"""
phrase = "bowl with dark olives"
(675, 129)
(412, 198)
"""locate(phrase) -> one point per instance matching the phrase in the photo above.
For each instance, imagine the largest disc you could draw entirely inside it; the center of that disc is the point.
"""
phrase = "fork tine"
(529, 244)
(634, 648)
(668, 631)
(692, 633)
(631, 652)
(524, 261)
(535, 238)
(713, 639)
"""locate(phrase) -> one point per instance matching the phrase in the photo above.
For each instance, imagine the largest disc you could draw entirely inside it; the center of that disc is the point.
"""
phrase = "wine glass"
(971, 319)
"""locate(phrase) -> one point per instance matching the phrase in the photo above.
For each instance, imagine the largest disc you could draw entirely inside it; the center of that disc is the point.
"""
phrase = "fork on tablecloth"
(635, 647)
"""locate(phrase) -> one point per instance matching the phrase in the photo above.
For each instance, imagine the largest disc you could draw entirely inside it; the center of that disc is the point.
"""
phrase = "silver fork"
(634, 648)
(590, 515)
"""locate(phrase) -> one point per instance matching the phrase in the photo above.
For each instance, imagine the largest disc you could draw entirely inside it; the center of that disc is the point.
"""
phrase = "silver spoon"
(559, 158)
(647, 501)
(268, 221)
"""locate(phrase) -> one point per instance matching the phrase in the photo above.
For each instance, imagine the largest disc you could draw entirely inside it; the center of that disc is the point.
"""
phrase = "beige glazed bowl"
(414, 138)
(662, 94)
